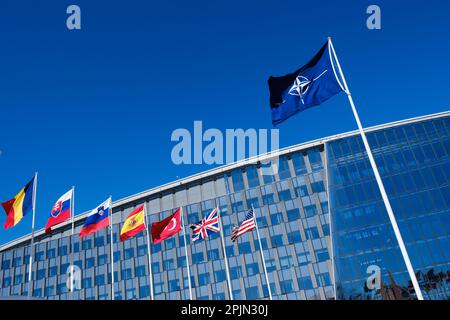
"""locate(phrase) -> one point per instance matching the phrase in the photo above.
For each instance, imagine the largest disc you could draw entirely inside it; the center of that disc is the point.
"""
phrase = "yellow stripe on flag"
(18, 205)
(133, 222)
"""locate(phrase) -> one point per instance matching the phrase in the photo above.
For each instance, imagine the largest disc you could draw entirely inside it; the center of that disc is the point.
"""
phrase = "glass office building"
(325, 232)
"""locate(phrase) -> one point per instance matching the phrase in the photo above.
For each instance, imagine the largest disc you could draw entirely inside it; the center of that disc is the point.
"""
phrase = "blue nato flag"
(309, 86)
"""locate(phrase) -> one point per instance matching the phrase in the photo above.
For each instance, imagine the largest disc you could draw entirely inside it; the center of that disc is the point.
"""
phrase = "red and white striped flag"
(247, 225)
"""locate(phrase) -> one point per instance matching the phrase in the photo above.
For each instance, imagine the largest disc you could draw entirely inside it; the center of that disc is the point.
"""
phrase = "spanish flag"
(19, 206)
(134, 224)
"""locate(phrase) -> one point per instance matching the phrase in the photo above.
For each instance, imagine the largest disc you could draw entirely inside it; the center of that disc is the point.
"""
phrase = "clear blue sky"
(95, 108)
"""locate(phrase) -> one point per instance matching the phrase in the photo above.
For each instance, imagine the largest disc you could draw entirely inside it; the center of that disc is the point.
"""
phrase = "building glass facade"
(413, 161)
(304, 250)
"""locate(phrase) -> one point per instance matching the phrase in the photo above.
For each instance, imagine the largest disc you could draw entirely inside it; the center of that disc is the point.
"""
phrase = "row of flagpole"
(71, 269)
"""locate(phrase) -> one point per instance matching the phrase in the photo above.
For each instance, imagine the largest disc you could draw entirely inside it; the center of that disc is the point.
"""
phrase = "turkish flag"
(163, 229)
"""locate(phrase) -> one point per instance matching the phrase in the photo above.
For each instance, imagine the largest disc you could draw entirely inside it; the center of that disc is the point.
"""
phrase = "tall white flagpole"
(186, 253)
(262, 254)
(32, 234)
(149, 252)
(230, 290)
(379, 182)
(112, 247)
(72, 213)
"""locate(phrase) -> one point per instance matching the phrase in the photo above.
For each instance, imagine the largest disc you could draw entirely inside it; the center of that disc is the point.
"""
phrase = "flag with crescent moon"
(166, 228)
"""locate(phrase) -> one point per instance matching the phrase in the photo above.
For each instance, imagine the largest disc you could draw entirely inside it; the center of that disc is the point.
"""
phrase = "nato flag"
(307, 87)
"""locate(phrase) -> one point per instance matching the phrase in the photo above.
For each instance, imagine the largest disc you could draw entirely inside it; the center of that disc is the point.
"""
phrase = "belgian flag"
(20, 205)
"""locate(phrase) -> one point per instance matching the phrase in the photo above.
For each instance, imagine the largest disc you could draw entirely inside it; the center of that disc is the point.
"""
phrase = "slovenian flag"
(61, 211)
(97, 219)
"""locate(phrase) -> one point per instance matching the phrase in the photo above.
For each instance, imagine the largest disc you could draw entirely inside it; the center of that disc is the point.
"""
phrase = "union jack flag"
(204, 228)
(247, 225)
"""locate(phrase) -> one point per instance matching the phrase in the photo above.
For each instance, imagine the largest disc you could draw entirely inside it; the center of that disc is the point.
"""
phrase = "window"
(126, 274)
(128, 253)
(219, 296)
(305, 283)
(37, 292)
(159, 288)
(99, 241)
(286, 262)
(244, 247)
(286, 286)
(268, 199)
(299, 164)
(284, 195)
(139, 271)
(294, 237)
(315, 159)
(142, 250)
(267, 172)
(168, 264)
(322, 255)
(252, 268)
(213, 254)
(293, 214)
(252, 176)
(203, 279)
(263, 244)
(130, 293)
(181, 262)
(155, 267)
(276, 218)
(324, 279)
(87, 282)
(100, 280)
(174, 285)
(144, 291)
(317, 187)
(303, 258)
(86, 244)
(326, 229)
(17, 261)
(90, 262)
(6, 264)
(51, 253)
(230, 251)
(40, 274)
(102, 259)
(277, 240)
(52, 271)
(170, 243)
(18, 279)
(283, 170)
(236, 202)
(312, 233)
(238, 181)
(49, 291)
(252, 293)
(39, 256)
(220, 275)
(198, 257)
(235, 272)
(310, 210)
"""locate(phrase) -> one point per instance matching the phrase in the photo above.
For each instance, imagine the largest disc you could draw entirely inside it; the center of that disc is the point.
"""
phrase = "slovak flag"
(97, 219)
(61, 211)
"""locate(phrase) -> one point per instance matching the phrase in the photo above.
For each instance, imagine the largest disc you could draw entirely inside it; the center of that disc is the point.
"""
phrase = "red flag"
(61, 211)
(163, 229)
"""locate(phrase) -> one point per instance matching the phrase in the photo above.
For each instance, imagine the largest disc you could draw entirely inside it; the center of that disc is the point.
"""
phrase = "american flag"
(247, 225)
(208, 225)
